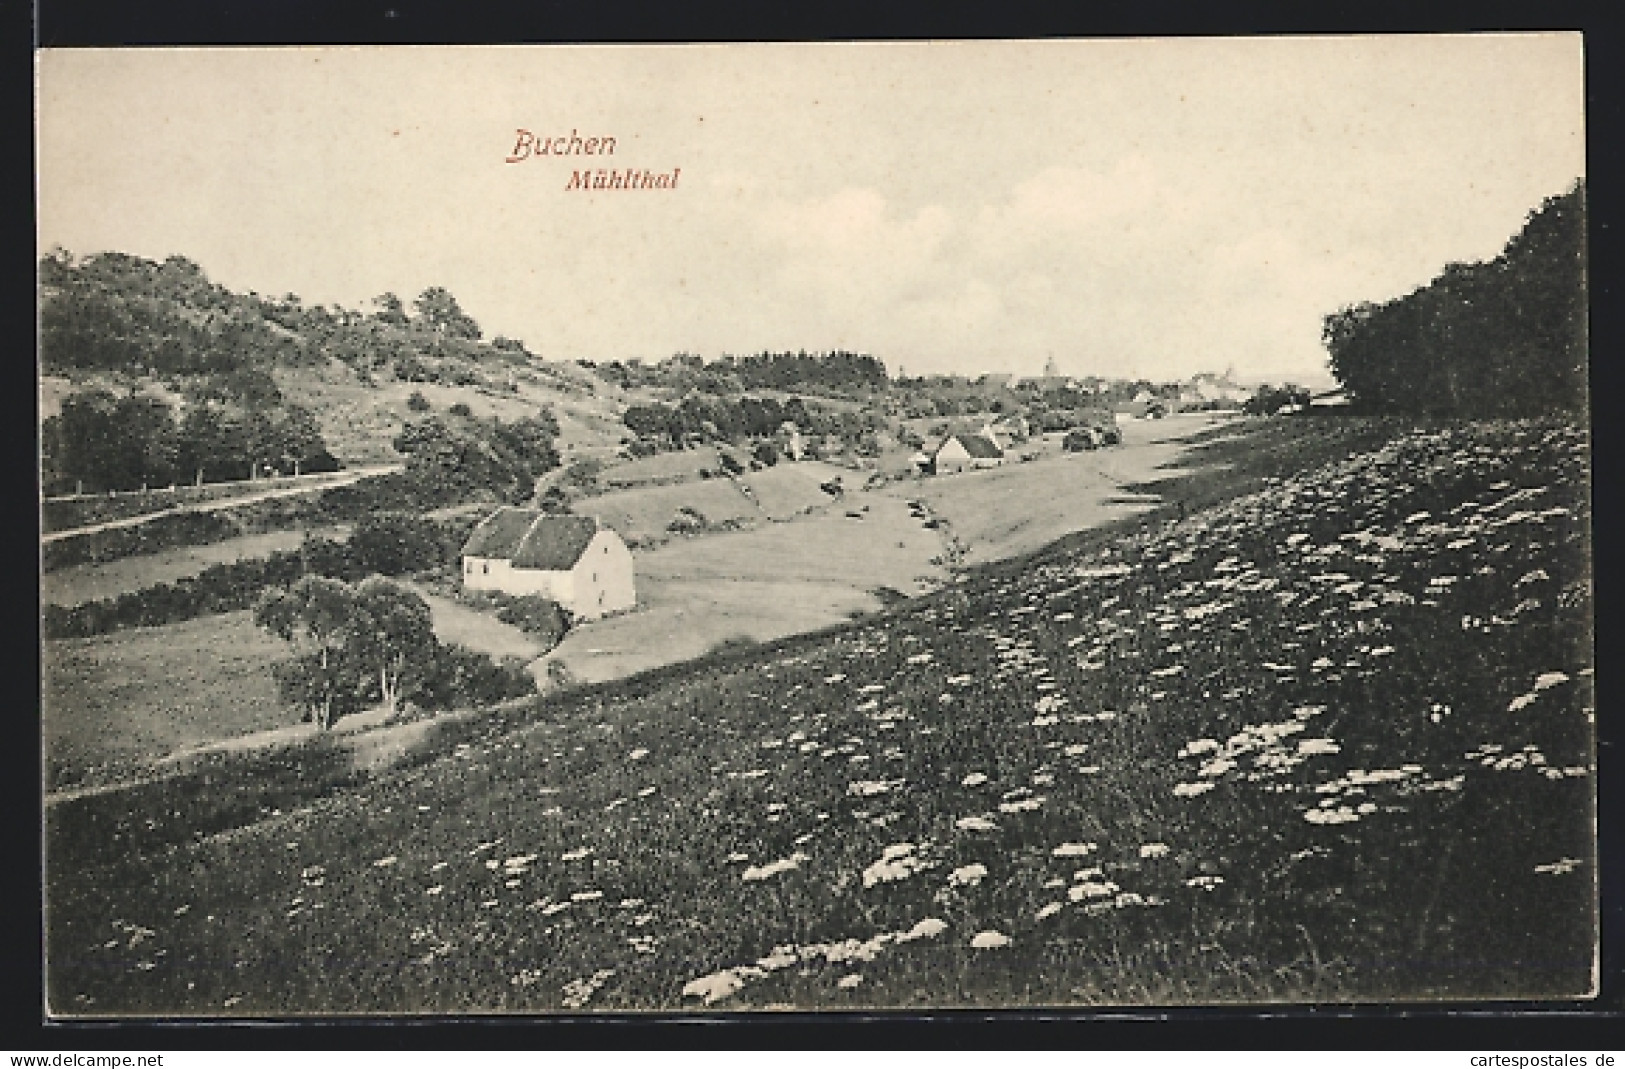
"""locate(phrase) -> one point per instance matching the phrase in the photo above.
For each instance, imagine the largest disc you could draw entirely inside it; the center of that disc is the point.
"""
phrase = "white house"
(961, 451)
(572, 560)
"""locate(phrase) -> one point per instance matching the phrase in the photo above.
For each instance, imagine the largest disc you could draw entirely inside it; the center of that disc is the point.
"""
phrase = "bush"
(417, 402)
(461, 409)
(397, 543)
(457, 676)
(535, 615)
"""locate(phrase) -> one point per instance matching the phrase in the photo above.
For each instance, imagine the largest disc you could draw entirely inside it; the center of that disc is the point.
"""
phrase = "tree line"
(1503, 337)
(838, 371)
(101, 441)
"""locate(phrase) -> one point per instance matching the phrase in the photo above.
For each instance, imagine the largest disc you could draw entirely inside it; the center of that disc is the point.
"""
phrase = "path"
(341, 479)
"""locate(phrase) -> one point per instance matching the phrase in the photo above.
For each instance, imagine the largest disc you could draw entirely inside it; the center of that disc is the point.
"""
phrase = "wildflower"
(385, 862)
(1198, 746)
(577, 854)
(975, 824)
(714, 988)
(967, 875)
(763, 872)
(975, 779)
(1049, 910)
(1092, 889)
(929, 928)
(1073, 850)
(1206, 883)
(1549, 679)
(989, 940)
(1024, 805)
(1154, 850)
(1318, 746)
(849, 981)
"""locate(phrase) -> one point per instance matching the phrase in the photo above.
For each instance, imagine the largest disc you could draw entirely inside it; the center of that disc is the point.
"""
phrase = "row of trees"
(717, 418)
(101, 441)
(1498, 338)
(729, 375)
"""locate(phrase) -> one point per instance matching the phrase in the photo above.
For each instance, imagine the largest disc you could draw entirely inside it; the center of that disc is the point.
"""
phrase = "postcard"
(565, 530)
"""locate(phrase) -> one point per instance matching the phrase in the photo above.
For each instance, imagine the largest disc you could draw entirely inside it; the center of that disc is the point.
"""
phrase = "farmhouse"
(961, 451)
(572, 560)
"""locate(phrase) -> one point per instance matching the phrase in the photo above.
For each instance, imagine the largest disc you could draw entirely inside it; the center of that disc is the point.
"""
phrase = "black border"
(1578, 1028)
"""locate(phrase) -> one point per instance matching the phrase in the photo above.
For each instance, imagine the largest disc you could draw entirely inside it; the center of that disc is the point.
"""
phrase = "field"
(112, 703)
(1331, 740)
(80, 583)
(826, 563)
(641, 515)
(774, 580)
(1021, 507)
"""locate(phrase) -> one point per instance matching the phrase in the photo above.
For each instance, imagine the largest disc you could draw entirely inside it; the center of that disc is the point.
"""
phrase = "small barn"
(961, 451)
(573, 560)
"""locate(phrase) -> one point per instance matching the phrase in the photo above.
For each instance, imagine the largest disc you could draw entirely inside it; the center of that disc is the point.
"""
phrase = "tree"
(390, 310)
(1504, 337)
(353, 644)
(393, 630)
(439, 310)
(396, 543)
(316, 616)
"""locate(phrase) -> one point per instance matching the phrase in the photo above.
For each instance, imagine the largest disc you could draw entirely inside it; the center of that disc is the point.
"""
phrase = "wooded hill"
(1503, 337)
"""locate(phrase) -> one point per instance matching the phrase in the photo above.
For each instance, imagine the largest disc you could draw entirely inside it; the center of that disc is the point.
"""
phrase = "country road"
(345, 478)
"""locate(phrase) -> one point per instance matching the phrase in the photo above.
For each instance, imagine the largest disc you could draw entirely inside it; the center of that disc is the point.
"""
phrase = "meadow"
(114, 702)
(1328, 740)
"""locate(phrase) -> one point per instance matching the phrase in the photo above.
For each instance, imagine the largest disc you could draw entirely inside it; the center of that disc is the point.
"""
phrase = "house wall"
(952, 457)
(603, 578)
(484, 573)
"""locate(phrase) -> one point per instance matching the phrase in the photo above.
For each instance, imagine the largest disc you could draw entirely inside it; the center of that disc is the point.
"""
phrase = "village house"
(572, 560)
(961, 451)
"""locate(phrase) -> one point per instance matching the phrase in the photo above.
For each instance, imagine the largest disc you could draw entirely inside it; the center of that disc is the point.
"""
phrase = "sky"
(1127, 208)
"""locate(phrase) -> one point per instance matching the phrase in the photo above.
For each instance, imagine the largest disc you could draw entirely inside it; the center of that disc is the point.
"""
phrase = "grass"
(1328, 740)
(774, 580)
(640, 515)
(113, 703)
(80, 583)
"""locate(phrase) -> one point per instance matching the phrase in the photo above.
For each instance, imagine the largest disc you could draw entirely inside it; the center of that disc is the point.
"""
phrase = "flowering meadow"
(1332, 740)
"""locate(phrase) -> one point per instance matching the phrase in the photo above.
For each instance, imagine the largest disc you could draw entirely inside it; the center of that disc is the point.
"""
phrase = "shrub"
(536, 615)
(396, 543)
(417, 402)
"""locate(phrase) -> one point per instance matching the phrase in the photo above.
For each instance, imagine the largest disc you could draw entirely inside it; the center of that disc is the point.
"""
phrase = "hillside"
(1328, 741)
(218, 359)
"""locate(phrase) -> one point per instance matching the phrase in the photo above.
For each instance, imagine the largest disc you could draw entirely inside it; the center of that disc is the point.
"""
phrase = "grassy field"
(1331, 740)
(472, 629)
(1021, 507)
(80, 583)
(114, 702)
(774, 580)
(641, 515)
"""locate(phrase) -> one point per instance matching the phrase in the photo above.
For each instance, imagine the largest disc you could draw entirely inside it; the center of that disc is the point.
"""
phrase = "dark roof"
(530, 538)
(499, 534)
(977, 446)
